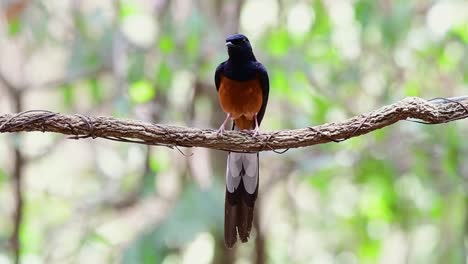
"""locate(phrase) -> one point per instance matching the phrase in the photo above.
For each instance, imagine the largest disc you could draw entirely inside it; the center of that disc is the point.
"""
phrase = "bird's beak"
(229, 44)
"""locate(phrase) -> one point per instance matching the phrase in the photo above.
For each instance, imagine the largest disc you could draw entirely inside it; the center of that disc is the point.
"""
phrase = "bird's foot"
(254, 133)
(220, 131)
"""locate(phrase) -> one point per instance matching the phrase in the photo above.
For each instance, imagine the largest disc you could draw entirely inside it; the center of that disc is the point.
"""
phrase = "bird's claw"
(253, 133)
(220, 131)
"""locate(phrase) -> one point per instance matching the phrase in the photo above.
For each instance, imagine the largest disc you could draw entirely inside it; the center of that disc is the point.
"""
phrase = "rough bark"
(79, 126)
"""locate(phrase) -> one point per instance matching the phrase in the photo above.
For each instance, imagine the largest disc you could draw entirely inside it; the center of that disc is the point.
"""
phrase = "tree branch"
(435, 111)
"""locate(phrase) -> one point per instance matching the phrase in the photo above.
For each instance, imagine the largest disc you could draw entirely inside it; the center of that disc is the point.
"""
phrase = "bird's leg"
(222, 127)
(256, 130)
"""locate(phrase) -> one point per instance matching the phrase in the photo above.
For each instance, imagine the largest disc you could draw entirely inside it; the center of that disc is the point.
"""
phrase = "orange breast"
(242, 99)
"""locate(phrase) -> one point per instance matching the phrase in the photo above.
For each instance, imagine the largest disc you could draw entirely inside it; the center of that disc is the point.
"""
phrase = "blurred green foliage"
(397, 195)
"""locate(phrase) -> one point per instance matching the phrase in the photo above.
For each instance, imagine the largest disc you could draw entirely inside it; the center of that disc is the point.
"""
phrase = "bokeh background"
(397, 195)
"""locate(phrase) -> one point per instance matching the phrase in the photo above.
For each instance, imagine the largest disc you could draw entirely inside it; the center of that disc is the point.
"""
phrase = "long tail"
(241, 193)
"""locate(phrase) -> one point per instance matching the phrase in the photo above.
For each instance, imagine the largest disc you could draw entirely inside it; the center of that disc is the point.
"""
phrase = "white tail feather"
(244, 165)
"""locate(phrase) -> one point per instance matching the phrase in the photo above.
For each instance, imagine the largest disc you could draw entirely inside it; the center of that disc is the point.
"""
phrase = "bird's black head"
(239, 48)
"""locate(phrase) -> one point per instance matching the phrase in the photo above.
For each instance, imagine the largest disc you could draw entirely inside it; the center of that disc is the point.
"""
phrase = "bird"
(243, 85)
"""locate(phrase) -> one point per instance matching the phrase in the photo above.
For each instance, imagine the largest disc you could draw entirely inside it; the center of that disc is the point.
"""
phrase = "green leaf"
(461, 31)
(14, 27)
(68, 93)
(98, 238)
(144, 251)
(364, 10)
(204, 209)
(164, 76)
(278, 43)
(3, 177)
(136, 70)
(445, 62)
(322, 22)
(196, 211)
(451, 159)
(322, 106)
(128, 8)
(166, 44)
(95, 90)
(321, 179)
(395, 25)
(31, 235)
(191, 45)
(369, 251)
(149, 184)
(142, 92)
(279, 82)
(437, 209)
(412, 88)
(159, 161)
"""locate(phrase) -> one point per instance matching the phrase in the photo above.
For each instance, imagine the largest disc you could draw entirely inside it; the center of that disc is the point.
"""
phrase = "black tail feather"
(238, 215)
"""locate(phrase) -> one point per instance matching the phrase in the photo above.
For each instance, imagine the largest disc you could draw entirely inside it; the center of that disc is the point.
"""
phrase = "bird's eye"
(244, 39)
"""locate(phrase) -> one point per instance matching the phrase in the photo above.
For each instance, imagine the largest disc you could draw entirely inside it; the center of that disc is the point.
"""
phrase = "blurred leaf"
(80, 23)
(159, 161)
(321, 179)
(461, 31)
(164, 76)
(446, 62)
(31, 236)
(380, 135)
(128, 8)
(204, 208)
(437, 209)
(142, 91)
(144, 251)
(95, 237)
(149, 184)
(412, 88)
(321, 107)
(196, 211)
(278, 43)
(14, 27)
(192, 45)
(379, 198)
(279, 82)
(195, 25)
(451, 159)
(136, 69)
(68, 93)
(321, 25)
(396, 23)
(376, 202)
(369, 251)
(166, 44)
(95, 90)
(3, 177)
(364, 9)
(421, 162)
(83, 55)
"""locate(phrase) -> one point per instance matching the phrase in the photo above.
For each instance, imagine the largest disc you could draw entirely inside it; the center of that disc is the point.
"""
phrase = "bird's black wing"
(265, 83)
(219, 70)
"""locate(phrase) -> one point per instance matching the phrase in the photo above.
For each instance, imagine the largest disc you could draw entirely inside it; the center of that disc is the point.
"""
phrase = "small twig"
(181, 152)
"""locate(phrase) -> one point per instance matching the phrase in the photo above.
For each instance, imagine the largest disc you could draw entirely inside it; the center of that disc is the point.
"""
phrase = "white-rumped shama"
(243, 86)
